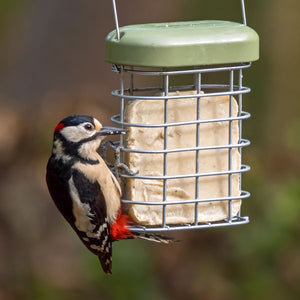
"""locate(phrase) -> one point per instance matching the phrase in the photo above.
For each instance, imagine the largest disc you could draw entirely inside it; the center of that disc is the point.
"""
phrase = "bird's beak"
(111, 130)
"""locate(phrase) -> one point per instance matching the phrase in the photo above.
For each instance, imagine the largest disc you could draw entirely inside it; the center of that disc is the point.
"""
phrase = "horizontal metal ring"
(187, 87)
(187, 71)
(243, 143)
(244, 115)
(243, 169)
(244, 195)
(232, 222)
(242, 90)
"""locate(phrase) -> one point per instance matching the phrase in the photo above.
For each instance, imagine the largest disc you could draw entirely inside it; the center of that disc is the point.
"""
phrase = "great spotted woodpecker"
(84, 189)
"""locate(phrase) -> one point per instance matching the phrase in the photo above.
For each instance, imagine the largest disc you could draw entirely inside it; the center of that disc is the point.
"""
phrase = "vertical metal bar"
(240, 109)
(198, 87)
(230, 149)
(131, 85)
(243, 12)
(122, 104)
(166, 90)
(116, 19)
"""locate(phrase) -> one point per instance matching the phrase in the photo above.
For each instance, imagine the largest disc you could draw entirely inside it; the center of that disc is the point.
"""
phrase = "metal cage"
(159, 84)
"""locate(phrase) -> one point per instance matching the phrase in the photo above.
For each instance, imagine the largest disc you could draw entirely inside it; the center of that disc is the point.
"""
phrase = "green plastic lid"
(179, 44)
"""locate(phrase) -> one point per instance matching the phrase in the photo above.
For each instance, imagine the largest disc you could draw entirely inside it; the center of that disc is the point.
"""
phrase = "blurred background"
(52, 65)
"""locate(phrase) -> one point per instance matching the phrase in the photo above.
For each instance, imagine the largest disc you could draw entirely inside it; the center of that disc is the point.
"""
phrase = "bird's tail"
(153, 237)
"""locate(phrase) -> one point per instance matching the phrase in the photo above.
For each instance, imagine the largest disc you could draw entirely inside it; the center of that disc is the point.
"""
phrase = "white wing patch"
(83, 215)
(81, 211)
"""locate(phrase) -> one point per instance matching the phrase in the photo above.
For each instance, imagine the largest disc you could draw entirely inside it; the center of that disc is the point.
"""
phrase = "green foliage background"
(51, 65)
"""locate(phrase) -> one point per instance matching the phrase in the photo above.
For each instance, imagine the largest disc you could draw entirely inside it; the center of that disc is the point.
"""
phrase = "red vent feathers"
(119, 230)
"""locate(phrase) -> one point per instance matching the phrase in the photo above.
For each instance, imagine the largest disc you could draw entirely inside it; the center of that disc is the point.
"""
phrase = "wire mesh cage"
(181, 97)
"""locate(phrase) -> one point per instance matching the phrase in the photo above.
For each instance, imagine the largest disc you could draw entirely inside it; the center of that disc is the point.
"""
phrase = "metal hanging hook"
(243, 12)
(117, 21)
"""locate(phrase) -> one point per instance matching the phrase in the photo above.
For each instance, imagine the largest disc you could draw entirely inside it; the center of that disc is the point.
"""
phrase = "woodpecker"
(84, 189)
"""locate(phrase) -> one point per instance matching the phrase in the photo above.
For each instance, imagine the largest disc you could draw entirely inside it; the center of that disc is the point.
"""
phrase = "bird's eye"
(88, 127)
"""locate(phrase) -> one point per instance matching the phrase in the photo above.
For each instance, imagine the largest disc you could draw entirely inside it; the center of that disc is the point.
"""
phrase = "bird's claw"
(117, 167)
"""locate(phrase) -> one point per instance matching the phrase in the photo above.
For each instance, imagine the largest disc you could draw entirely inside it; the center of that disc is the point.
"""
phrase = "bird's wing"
(58, 187)
(89, 209)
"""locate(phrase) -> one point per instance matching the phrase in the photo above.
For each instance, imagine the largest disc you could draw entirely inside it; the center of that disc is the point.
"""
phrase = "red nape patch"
(119, 229)
(59, 127)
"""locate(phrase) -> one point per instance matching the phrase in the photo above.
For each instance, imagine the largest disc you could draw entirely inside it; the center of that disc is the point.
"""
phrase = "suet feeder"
(181, 97)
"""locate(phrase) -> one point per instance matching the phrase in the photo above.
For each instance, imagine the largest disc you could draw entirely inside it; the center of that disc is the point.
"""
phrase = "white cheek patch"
(75, 133)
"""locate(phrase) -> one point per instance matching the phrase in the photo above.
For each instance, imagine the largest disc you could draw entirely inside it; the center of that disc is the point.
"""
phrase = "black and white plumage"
(84, 189)
(81, 185)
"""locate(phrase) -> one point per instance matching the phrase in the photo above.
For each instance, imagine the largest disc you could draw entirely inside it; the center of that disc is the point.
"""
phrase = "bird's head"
(80, 135)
